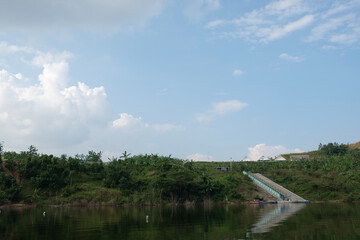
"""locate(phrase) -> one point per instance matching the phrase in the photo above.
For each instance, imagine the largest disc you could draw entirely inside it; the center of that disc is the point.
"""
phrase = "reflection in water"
(314, 221)
(273, 215)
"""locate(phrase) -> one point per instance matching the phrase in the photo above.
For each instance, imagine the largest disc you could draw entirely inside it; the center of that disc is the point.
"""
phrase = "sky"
(207, 80)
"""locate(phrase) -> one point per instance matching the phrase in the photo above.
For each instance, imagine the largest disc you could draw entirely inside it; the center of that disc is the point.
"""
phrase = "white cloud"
(238, 72)
(198, 157)
(344, 38)
(284, 8)
(339, 24)
(341, 6)
(50, 114)
(203, 117)
(322, 30)
(220, 108)
(128, 121)
(95, 15)
(223, 108)
(268, 23)
(268, 151)
(4, 116)
(290, 58)
(197, 9)
(215, 23)
(19, 76)
(211, 4)
(6, 48)
(333, 21)
(276, 32)
(328, 47)
(49, 111)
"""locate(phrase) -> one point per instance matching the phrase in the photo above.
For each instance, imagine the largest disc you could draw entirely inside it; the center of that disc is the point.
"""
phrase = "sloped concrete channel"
(292, 196)
(282, 194)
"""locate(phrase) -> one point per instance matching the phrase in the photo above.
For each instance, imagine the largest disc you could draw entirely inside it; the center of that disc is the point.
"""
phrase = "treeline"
(35, 178)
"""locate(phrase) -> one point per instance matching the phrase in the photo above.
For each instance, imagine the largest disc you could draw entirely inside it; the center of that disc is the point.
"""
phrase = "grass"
(355, 145)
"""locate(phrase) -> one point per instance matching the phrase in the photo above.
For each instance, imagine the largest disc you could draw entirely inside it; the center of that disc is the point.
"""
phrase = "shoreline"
(94, 205)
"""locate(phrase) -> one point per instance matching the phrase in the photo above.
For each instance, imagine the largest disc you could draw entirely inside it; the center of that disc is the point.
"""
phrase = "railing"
(266, 186)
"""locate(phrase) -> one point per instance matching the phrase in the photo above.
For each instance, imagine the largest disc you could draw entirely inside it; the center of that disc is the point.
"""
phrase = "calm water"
(313, 221)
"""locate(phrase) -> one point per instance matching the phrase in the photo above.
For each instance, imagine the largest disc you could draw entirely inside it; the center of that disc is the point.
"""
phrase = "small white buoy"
(147, 219)
(44, 213)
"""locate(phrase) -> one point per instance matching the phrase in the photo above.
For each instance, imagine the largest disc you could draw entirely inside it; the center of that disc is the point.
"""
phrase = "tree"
(1, 150)
(125, 155)
(94, 157)
(32, 152)
(334, 149)
(117, 176)
(9, 188)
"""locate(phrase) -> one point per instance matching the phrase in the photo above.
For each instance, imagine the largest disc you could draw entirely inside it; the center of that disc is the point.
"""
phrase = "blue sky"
(199, 79)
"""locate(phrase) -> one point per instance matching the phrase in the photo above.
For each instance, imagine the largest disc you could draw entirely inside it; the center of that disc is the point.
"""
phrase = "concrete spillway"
(291, 196)
(278, 191)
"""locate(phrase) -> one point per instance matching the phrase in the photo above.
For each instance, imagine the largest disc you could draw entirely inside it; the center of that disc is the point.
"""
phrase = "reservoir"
(272, 221)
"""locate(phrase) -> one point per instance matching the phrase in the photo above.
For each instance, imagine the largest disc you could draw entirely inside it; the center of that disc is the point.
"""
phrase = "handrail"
(270, 185)
(266, 186)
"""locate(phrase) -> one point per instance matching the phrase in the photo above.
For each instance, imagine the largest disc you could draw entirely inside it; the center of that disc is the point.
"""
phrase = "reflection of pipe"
(273, 217)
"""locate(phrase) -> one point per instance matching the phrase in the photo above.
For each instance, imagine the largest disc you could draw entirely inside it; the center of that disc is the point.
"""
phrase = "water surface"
(289, 221)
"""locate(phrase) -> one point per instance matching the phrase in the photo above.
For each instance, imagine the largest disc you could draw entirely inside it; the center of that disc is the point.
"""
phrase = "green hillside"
(35, 178)
(321, 152)
(332, 173)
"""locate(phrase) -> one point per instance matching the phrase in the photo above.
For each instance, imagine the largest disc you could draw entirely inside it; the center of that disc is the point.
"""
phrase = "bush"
(332, 149)
(10, 189)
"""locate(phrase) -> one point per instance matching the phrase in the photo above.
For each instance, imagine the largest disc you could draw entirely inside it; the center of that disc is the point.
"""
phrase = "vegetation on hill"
(142, 179)
(333, 173)
(33, 178)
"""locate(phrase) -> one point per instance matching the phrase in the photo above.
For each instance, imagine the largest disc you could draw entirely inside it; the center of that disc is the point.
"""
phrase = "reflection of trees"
(177, 222)
(321, 221)
(121, 223)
